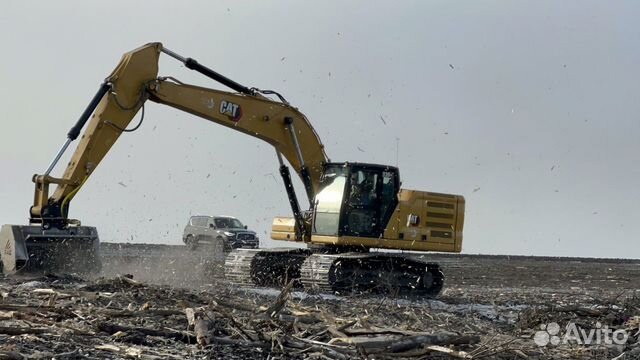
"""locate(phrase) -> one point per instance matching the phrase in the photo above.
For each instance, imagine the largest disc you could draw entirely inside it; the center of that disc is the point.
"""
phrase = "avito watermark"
(550, 334)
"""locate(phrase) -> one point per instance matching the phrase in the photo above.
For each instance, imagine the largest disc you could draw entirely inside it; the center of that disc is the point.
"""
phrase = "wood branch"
(281, 300)
(134, 313)
(319, 343)
(438, 339)
(36, 318)
(229, 341)
(331, 351)
(347, 325)
(433, 348)
(128, 280)
(380, 331)
(236, 305)
(38, 309)
(236, 324)
(11, 355)
(7, 330)
(335, 332)
(201, 329)
(394, 344)
(579, 310)
(126, 351)
(183, 336)
(305, 319)
(5, 315)
(69, 354)
(490, 351)
(51, 292)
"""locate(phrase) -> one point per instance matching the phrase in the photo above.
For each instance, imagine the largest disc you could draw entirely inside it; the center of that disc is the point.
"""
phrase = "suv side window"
(222, 223)
(199, 221)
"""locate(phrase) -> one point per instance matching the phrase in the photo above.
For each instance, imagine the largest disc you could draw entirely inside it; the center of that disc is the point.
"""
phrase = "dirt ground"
(158, 302)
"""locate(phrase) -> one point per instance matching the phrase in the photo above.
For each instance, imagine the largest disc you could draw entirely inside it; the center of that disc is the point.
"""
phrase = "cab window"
(329, 201)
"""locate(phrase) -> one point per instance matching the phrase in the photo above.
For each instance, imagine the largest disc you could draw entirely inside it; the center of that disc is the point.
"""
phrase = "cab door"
(370, 200)
(362, 209)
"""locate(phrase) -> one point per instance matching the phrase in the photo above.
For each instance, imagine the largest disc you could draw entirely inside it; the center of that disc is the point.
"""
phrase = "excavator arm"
(134, 81)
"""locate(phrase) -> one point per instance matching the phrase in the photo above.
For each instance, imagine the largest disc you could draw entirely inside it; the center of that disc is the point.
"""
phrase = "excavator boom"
(135, 80)
(119, 98)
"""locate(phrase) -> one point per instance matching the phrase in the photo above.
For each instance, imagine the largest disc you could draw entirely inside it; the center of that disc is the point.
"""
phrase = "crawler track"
(265, 267)
(237, 267)
(376, 272)
(319, 272)
(314, 273)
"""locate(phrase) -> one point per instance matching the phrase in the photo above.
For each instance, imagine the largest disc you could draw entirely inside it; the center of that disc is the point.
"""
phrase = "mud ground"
(503, 300)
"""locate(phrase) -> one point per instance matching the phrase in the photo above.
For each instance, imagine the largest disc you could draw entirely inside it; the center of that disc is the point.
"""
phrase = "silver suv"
(213, 230)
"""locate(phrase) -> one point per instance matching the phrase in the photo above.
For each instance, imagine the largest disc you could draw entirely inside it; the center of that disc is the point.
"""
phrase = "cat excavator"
(355, 209)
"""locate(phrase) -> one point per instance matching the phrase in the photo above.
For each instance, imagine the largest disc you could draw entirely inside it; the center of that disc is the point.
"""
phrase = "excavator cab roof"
(362, 165)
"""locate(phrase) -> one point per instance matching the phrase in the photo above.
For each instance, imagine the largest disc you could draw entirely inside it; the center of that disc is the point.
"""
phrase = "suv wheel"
(191, 242)
(226, 246)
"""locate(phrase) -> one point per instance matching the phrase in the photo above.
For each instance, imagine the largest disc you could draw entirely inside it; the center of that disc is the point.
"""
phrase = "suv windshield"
(228, 223)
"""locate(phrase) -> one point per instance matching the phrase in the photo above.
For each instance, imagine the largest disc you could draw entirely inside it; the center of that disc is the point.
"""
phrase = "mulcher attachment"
(32, 249)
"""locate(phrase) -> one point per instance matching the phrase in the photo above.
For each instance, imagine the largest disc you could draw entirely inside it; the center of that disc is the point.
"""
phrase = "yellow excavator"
(354, 207)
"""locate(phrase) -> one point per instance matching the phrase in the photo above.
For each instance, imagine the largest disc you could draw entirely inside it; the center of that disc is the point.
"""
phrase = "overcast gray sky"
(527, 108)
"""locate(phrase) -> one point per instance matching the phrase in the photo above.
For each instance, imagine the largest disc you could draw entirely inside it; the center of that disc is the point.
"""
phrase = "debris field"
(169, 306)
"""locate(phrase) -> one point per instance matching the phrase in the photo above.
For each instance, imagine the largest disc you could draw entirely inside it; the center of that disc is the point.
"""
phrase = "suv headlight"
(230, 234)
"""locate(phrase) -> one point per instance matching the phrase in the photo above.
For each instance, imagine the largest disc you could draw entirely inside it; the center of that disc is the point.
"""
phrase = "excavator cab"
(355, 199)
